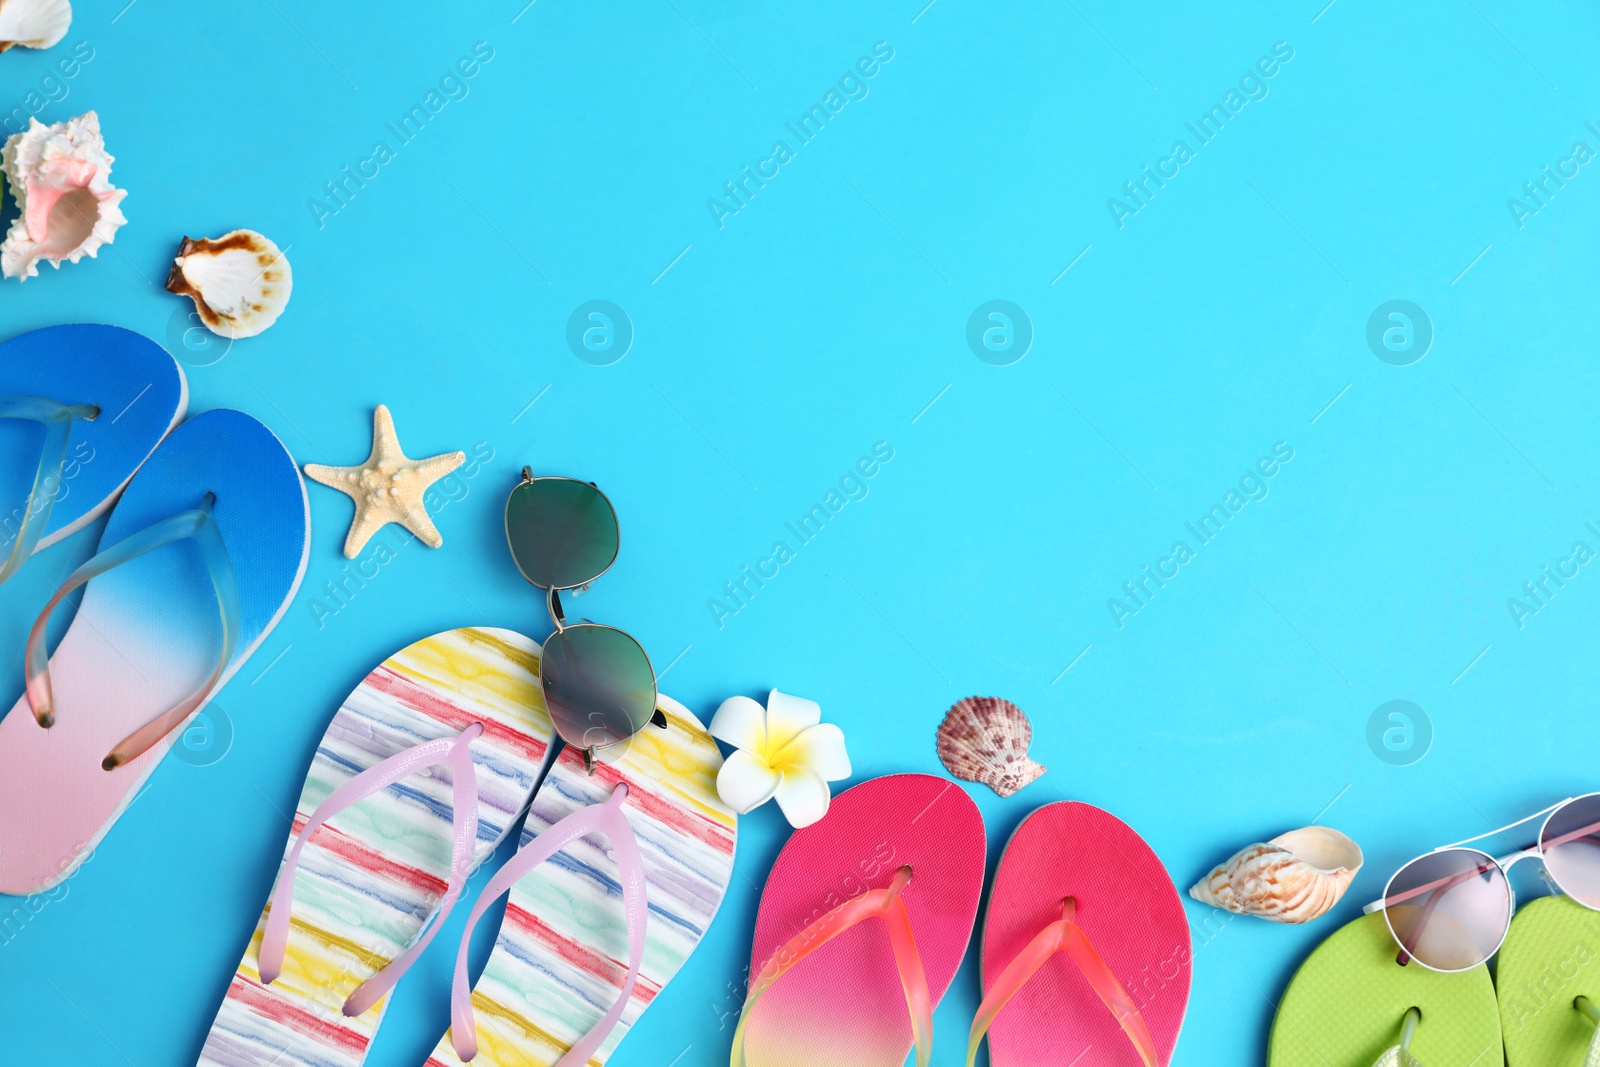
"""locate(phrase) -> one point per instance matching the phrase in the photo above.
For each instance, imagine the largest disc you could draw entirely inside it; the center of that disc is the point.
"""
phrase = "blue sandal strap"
(57, 419)
(197, 524)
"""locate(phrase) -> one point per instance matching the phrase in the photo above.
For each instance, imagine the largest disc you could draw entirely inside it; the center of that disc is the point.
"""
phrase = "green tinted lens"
(598, 684)
(563, 532)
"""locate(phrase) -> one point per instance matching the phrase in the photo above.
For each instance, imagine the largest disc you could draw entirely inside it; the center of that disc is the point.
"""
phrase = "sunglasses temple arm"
(1408, 946)
(1436, 893)
(1574, 835)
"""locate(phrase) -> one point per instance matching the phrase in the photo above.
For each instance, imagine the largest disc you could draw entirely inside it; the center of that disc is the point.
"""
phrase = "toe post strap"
(454, 752)
(886, 904)
(1064, 936)
(198, 525)
(605, 818)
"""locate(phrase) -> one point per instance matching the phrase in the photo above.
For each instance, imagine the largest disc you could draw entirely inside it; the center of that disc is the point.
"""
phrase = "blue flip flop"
(91, 402)
(198, 562)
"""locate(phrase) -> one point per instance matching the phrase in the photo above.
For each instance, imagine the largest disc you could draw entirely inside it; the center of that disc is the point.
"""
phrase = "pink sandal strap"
(885, 904)
(1064, 935)
(604, 818)
(380, 776)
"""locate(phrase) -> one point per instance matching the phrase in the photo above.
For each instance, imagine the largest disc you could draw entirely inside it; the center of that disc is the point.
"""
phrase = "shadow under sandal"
(1548, 984)
(1086, 958)
(1351, 1002)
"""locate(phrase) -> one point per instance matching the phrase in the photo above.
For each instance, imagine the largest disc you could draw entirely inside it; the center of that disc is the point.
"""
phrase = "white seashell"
(985, 739)
(33, 23)
(60, 176)
(240, 282)
(1293, 878)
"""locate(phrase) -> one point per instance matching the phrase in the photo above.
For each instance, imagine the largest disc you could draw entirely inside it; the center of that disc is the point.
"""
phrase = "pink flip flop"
(1085, 947)
(829, 986)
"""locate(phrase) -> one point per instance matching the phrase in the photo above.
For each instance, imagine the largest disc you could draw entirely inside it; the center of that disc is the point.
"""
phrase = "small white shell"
(33, 23)
(68, 208)
(1293, 878)
(985, 739)
(240, 282)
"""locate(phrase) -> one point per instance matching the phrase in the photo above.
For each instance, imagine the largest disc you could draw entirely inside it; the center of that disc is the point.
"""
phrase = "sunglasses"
(598, 683)
(1450, 910)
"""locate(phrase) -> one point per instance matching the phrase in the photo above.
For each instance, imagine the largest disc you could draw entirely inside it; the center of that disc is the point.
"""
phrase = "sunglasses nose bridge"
(1533, 852)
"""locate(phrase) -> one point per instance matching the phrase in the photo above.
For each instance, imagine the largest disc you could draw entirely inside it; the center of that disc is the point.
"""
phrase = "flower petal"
(745, 783)
(803, 796)
(821, 749)
(787, 716)
(741, 722)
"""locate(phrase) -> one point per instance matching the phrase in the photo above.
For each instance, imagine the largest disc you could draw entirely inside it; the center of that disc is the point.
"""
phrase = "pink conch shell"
(1293, 878)
(985, 739)
(61, 177)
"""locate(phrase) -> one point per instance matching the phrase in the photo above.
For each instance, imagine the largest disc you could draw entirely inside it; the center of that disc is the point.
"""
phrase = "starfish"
(388, 487)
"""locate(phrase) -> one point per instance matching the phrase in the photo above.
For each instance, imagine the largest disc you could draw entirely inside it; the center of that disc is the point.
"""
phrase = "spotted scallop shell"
(239, 282)
(1294, 878)
(985, 739)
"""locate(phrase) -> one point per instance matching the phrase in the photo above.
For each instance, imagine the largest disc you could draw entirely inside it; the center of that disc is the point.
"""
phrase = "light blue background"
(1226, 316)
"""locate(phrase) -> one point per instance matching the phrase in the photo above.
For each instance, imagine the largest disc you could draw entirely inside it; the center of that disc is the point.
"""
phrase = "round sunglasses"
(1450, 910)
(598, 683)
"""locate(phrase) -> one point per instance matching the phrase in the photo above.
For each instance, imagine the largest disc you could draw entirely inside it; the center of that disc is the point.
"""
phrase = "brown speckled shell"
(985, 739)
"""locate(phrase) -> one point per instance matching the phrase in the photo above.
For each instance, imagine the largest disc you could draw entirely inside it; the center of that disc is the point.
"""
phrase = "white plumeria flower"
(785, 752)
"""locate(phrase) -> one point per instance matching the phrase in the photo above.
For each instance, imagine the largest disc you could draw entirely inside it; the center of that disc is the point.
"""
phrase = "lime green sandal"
(1351, 1004)
(1549, 985)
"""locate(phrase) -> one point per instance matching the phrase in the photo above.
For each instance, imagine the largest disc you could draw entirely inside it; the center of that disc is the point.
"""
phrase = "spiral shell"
(985, 739)
(1293, 878)
(67, 207)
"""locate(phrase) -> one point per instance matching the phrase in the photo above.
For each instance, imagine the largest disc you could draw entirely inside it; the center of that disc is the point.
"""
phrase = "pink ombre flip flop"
(1085, 947)
(862, 926)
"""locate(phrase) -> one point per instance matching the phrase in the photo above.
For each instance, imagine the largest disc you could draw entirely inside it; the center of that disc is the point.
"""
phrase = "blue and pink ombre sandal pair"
(203, 551)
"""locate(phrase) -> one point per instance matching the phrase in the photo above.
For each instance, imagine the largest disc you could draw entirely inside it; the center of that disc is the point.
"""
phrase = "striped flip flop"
(444, 742)
(593, 933)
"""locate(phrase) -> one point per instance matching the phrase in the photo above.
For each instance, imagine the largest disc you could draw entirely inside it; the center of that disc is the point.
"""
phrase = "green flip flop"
(1549, 985)
(1351, 1004)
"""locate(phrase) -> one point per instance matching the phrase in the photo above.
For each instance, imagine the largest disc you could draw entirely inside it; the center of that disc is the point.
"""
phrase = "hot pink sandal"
(1085, 948)
(908, 850)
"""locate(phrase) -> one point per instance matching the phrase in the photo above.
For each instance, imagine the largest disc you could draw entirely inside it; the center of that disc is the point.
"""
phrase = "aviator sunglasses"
(598, 683)
(1450, 910)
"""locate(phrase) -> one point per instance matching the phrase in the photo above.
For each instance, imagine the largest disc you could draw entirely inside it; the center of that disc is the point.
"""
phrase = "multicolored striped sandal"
(829, 984)
(198, 562)
(420, 776)
(592, 936)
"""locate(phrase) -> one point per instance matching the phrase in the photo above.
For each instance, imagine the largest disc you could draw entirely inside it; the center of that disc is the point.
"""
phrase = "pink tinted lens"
(1449, 910)
(1571, 846)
